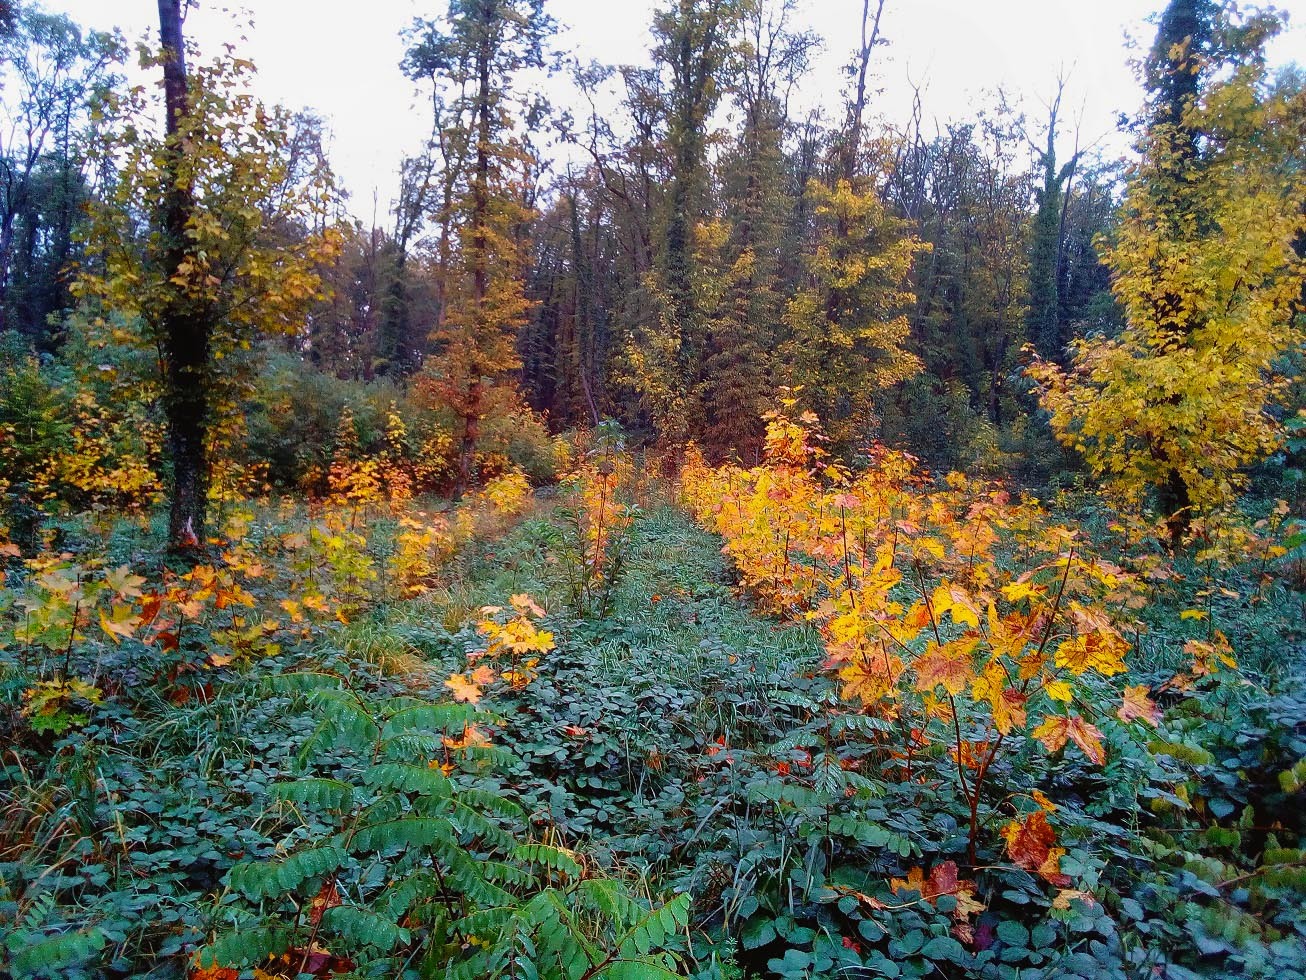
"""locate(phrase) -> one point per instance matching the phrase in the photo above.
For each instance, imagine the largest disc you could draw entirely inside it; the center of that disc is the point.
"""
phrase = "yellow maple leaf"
(463, 689)
(1101, 651)
(1059, 691)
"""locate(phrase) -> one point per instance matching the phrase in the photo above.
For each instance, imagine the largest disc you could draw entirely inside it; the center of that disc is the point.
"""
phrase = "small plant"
(596, 521)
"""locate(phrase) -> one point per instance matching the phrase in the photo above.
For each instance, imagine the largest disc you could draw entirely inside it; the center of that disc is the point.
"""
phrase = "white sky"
(340, 58)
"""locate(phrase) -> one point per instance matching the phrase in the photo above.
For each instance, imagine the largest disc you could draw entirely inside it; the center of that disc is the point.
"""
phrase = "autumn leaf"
(914, 882)
(120, 624)
(1064, 897)
(463, 689)
(1006, 703)
(1137, 704)
(949, 665)
(1029, 841)
(871, 903)
(1041, 799)
(523, 603)
(472, 738)
(1100, 651)
(327, 897)
(123, 582)
(1059, 691)
(1054, 731)
(1050, 869)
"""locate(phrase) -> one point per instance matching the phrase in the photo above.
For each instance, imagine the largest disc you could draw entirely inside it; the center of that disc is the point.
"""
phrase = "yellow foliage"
(1205, 271)
(947, 605)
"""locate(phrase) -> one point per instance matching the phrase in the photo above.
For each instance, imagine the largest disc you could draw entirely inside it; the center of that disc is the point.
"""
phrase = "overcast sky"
(340, 58)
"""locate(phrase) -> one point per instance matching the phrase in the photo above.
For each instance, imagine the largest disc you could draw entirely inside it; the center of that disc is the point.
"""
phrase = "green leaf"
(53, 955)
(325, 794)
(443, 717)
(946, 948)
(404, 778)
(246, 947)
(394, 835)
(636, 970)
(552, 858)
(363, 927)
(1013, 933)
(267, 879)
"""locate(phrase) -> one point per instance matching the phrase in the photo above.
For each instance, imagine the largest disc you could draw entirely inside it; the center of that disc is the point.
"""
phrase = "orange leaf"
(463, 689)
(1051, 731)
(1137, 704)
(1029, 841)
(1050, 869)
(949, 665)
(1088, 738)
(1055, 730)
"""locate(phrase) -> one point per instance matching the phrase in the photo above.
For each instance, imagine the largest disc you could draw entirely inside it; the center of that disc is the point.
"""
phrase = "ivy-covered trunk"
(185, 334)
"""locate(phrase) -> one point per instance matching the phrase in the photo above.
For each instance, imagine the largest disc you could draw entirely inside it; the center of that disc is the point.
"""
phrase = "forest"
(686, 535)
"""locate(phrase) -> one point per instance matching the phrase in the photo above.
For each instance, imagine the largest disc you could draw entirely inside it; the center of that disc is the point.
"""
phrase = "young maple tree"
(1206, 272)
(190, 241)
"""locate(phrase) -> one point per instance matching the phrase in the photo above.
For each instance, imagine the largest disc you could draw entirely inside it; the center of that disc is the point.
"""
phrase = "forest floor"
(673, 741)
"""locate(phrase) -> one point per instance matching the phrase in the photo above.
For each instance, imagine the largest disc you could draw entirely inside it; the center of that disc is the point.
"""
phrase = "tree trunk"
(185, 334)
(1176, 506)
(858, 109)
(480, 259)
(6, 264)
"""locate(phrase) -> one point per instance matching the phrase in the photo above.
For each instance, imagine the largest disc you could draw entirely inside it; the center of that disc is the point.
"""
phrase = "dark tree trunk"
(1176, 506)
(185, 334)
(480, 217)
(6, 264)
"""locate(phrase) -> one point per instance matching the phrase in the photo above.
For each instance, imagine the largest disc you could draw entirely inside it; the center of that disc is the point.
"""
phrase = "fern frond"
(405, 778)
(324, 794)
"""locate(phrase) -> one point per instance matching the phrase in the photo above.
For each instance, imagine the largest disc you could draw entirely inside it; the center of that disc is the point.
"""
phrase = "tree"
(484, 305)
(870, 37)
(745, 277)
(848, 322)
(190, 243)
(668, 350)
(53, 72)
(1205, 271)
(1047, 238)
